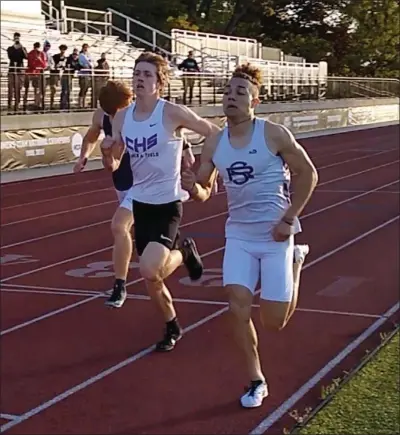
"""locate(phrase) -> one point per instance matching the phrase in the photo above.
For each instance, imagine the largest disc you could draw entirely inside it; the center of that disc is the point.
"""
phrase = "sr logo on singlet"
(140, 146)
(240, 173)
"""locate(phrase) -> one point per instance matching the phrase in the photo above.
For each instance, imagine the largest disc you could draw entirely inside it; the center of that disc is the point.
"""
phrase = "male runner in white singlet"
(254, 158)
(146, 129)
(114, 96)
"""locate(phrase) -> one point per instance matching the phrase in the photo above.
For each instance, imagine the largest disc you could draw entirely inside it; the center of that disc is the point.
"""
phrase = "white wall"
(23, 13)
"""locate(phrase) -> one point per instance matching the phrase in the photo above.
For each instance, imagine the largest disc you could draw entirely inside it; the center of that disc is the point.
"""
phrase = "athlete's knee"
(118, 229)
(154, 286)
(150, 271)
(274, 315)
(152, 262)
(240, 301)
(121, 223)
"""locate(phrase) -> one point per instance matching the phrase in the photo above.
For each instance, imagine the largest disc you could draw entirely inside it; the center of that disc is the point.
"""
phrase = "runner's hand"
(188, 180)
(188, 158)
(282, 231)
(106, 146)
(80, 165)
(107, 142)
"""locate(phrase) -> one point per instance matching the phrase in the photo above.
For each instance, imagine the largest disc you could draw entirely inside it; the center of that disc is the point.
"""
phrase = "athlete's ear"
(255, 102)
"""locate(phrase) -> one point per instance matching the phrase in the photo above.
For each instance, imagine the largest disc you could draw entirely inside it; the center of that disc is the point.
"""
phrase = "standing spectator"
(101, 75)
(34, 74)
(16, 55)
(59, 65)
(72, 66)
(85, 74)
(49, 67)
(190, 66)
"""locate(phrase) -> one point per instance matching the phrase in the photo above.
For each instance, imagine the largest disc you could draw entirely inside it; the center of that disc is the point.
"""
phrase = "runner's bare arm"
(183, 117)
(114, 148)
(89, 141)
(299, 163)
(91, 136)
(200, 185)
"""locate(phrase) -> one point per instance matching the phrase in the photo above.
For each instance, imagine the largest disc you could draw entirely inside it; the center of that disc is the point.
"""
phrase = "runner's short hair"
(160, 63)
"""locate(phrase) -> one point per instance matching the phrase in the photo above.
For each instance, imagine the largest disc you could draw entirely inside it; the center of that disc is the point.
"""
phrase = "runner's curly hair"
(115, 95)
(250, 73)
(161, 65)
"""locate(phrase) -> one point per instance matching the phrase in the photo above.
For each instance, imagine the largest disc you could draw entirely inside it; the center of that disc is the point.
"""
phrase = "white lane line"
(134, 296)
(8, 416)
(99, 204)
(71, 230)
(279, 412)
(68, 260)
(62, 396)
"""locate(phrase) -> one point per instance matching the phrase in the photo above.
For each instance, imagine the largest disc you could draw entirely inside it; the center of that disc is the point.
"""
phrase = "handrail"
(2, 35)
(106, 23)
(143, 41)
(98, 40)
(369, 89)
(155, 32)
(350, 78)
(49, 14)
(87, 26)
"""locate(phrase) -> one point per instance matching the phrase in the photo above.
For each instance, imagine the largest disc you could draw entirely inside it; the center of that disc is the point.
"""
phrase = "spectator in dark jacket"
(16, 55)
(72, 66)
(101, 75)
(190, 66)
(59, 65)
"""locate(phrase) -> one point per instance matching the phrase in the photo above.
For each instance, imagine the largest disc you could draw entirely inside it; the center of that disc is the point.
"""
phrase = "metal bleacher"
(123, 38)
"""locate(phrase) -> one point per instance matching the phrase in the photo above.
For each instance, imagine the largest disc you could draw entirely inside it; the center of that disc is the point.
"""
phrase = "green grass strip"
(369, 403)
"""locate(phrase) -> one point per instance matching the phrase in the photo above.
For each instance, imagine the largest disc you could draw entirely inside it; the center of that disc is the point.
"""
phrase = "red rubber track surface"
(70, 365)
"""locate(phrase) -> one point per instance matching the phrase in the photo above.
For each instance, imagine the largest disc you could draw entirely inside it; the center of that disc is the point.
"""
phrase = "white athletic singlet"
(257, 184)
(155, 156)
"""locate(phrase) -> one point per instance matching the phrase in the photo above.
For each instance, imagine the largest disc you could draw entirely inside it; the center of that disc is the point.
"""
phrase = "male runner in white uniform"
(254, 158)
(147, 130)
(114, 96)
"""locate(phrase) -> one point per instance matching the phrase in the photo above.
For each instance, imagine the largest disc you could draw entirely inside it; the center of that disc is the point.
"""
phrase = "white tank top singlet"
(257, 183)
(155, 156)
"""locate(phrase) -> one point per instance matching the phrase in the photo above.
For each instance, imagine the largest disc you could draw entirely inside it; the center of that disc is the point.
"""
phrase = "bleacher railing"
(217, 45)
(89, 19)
(46, 92)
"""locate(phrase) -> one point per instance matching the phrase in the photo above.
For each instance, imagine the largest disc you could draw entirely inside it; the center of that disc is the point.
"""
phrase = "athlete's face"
(239, 98)
(145, 80)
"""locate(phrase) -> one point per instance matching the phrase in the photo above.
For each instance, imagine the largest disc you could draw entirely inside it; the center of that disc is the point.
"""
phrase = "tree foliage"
(355, 37)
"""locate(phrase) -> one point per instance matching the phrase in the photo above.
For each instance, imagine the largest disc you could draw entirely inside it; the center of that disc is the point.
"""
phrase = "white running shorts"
(125, 199)
(246, 262)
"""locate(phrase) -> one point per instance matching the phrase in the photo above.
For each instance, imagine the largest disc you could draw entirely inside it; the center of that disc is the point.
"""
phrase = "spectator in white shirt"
(85, 74)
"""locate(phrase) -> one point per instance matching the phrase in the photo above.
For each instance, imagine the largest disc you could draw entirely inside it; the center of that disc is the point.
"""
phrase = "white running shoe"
(300, 253)
(255, 394)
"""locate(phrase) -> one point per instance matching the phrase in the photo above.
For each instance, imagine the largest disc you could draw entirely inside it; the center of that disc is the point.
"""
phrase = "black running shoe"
(117, 298)
(192, 259)
(171, 336)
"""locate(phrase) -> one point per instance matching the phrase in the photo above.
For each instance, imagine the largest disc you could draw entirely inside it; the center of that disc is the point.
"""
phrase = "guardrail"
(78, 91)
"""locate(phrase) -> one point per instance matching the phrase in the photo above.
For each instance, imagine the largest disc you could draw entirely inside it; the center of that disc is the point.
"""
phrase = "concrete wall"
(57, 120)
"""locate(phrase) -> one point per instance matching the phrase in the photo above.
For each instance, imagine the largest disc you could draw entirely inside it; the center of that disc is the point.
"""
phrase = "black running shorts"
(156, 223)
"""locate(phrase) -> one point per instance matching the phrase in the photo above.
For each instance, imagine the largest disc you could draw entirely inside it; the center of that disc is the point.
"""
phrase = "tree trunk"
(240, 10)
